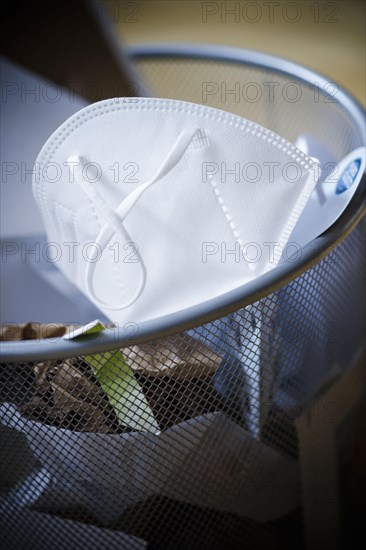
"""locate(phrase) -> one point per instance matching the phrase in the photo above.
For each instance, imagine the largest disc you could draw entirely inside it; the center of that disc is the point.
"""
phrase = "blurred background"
(328, 37)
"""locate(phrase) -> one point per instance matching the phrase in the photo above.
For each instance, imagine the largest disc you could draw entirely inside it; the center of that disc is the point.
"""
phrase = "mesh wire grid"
(281, 102)
(223, 471)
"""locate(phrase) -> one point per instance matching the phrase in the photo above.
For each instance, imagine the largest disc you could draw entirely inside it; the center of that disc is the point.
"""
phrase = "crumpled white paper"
(208, 461)
(63, 534)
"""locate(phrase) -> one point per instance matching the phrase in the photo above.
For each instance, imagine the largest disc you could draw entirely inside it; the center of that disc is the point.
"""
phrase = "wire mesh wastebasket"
(218, 464)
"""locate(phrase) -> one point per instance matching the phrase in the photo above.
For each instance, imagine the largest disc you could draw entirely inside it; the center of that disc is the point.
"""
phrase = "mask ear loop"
(114, 218)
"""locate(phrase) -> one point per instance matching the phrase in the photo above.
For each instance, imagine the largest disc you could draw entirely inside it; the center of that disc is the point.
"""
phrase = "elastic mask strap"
(114, 218)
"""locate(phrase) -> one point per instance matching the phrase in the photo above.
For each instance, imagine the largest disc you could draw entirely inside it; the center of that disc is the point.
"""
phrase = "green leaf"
(123, 391)
(119, 384)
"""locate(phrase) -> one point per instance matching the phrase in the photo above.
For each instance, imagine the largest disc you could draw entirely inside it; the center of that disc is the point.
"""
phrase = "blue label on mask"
(348, 176)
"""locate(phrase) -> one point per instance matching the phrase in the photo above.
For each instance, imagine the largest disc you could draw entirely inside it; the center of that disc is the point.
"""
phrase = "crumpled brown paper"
(175, 374)
(33, 331)
(68, 396)
(176, 356)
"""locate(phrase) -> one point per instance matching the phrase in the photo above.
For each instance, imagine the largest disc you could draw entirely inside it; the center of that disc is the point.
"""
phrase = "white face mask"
(156, 205)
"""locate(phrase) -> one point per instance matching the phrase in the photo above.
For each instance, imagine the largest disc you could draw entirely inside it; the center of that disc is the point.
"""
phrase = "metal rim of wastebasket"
(131, 333)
